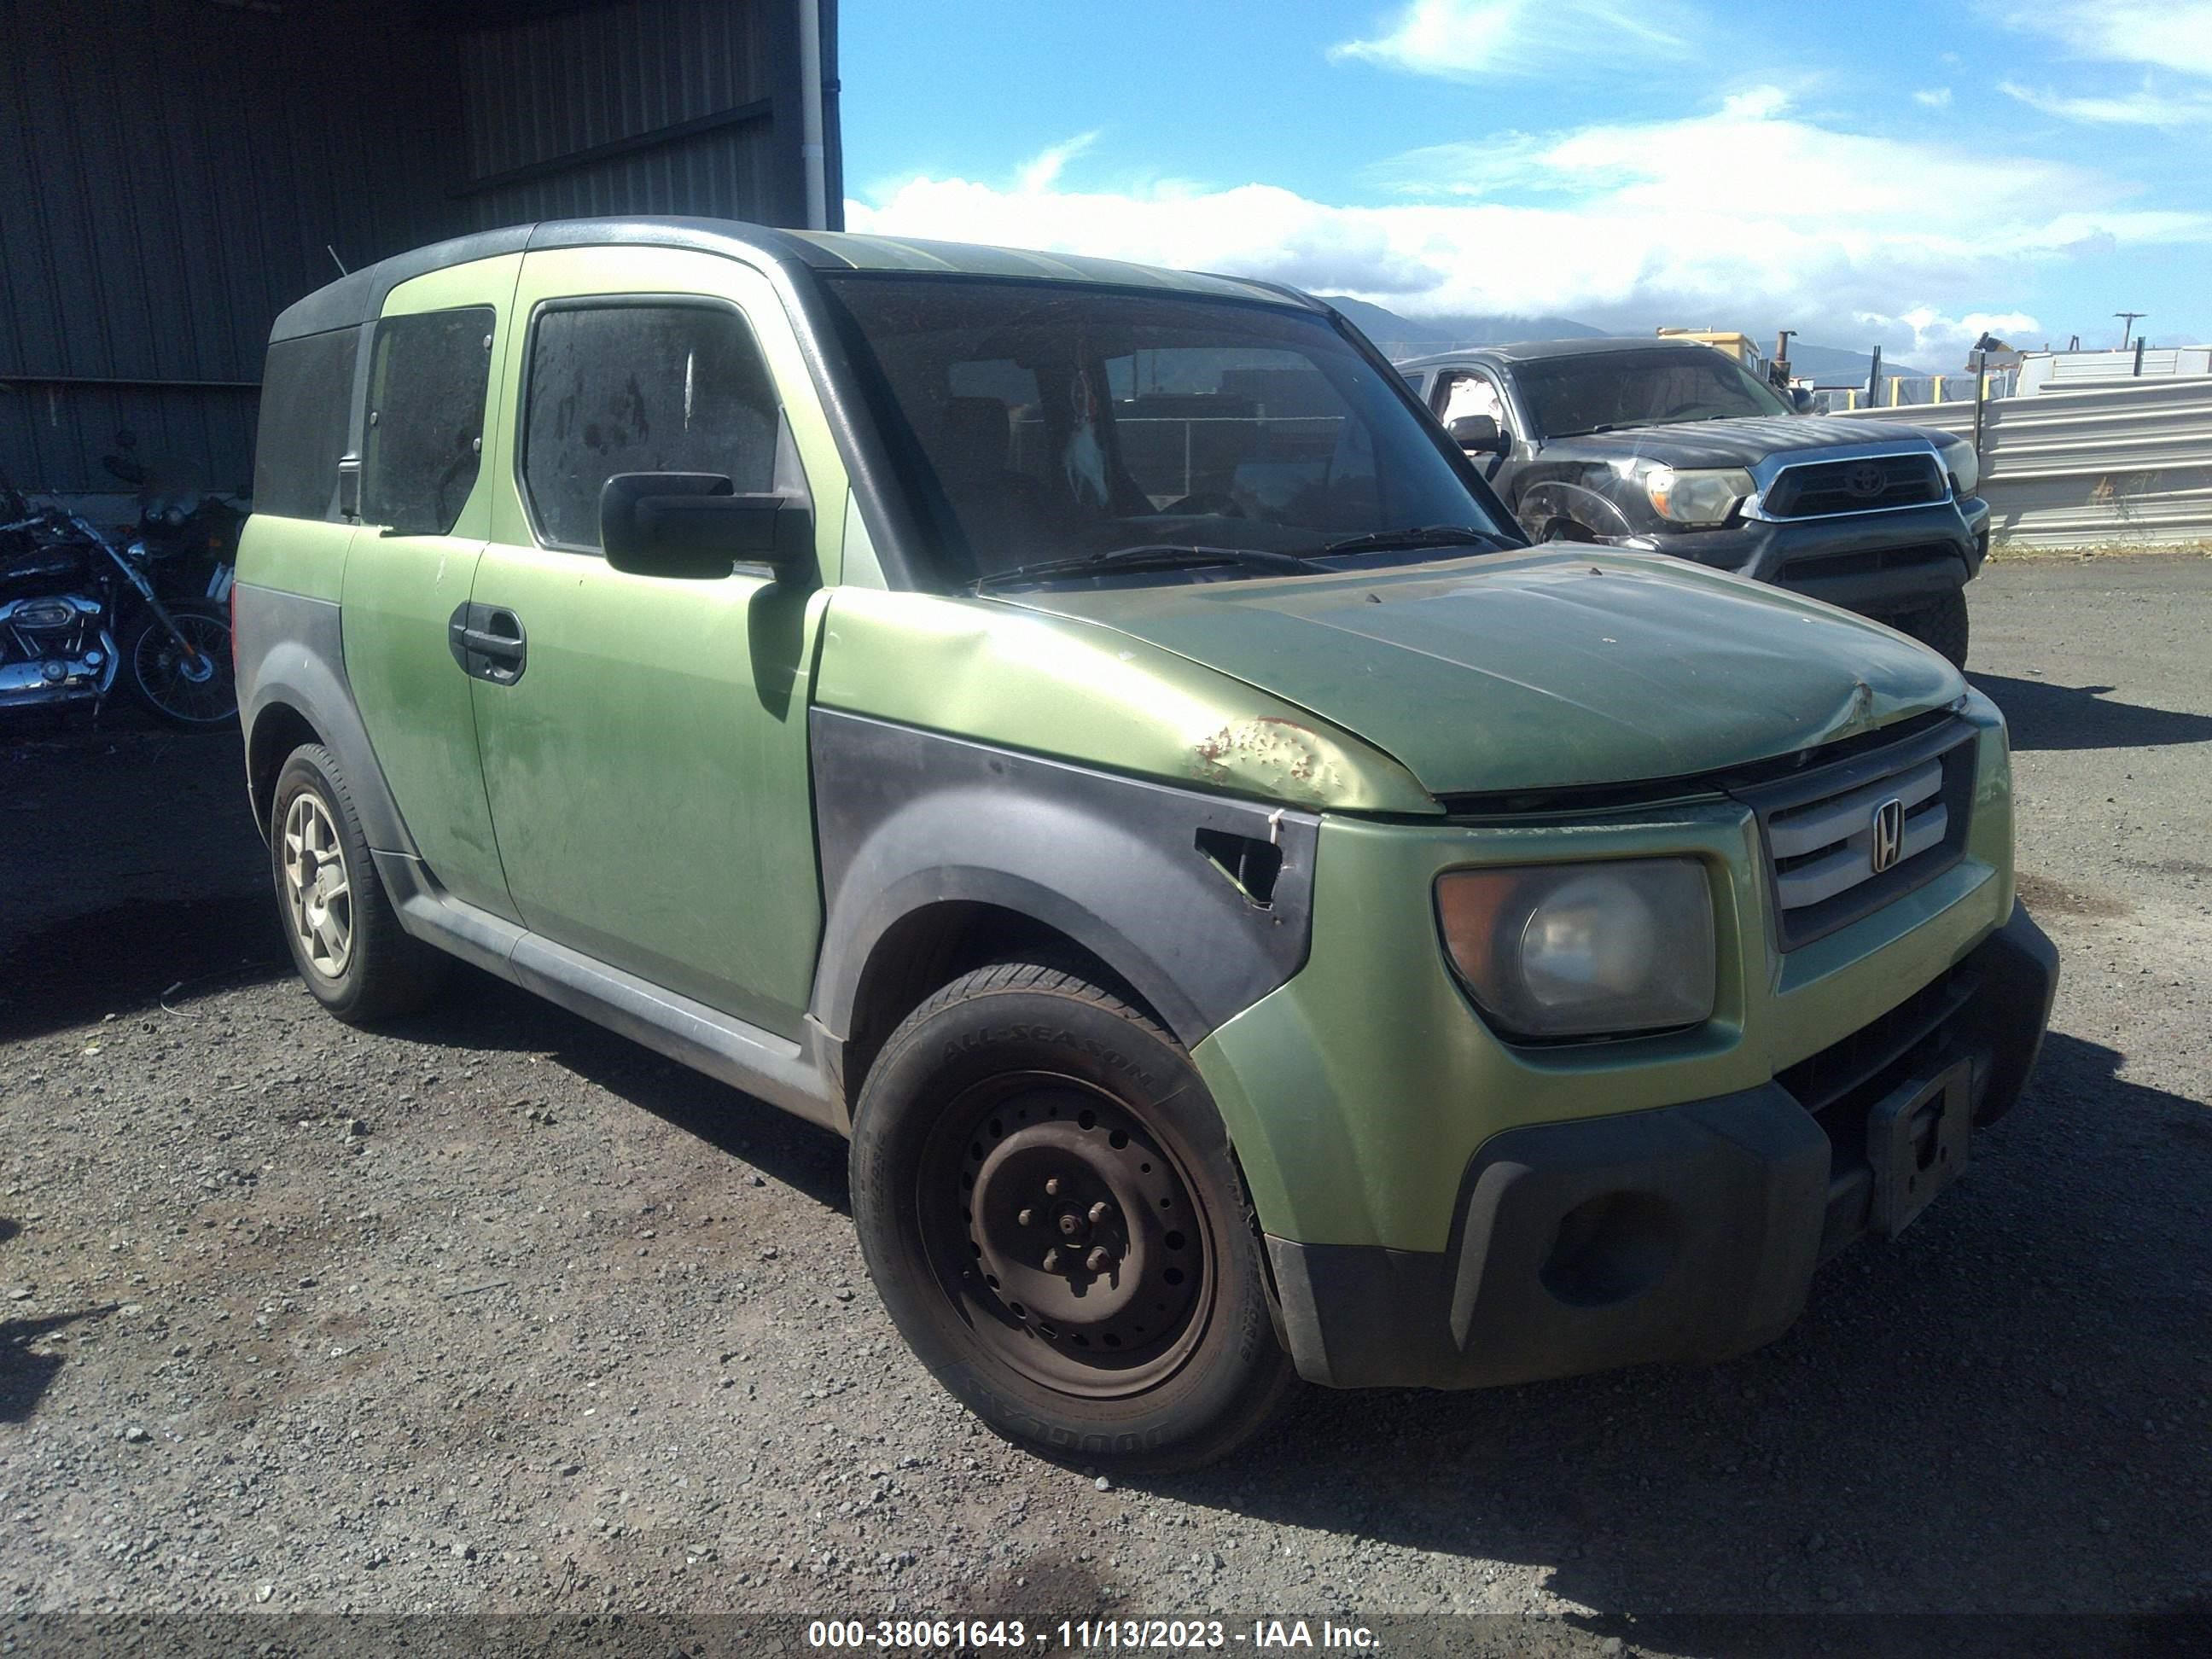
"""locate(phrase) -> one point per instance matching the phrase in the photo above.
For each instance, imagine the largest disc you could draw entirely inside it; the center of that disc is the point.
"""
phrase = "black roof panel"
(358, 298)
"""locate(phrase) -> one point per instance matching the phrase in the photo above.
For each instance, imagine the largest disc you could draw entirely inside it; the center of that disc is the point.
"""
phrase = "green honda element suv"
(1086, 733)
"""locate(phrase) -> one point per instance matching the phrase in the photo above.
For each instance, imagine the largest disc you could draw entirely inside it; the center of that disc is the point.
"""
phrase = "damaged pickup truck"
(1083, 732)
(1674, 447)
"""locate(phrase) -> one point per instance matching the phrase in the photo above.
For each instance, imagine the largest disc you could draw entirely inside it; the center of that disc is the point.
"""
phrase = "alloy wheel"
(318, 892)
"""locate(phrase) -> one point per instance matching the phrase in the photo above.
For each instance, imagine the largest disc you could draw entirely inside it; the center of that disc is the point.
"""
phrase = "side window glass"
(1472, 394)
(307, 403)
(639, 388)
(427, 377)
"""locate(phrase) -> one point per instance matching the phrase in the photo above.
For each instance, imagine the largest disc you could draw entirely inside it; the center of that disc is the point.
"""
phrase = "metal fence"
(2129, 464)
(1909, 392)
(2066, 371)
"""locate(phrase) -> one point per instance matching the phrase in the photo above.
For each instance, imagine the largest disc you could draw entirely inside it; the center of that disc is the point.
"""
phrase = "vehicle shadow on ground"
(133, 867)
(2042, 715)
(479, 1011)
(1899, 1449)
(124, 958)
(25, 1377)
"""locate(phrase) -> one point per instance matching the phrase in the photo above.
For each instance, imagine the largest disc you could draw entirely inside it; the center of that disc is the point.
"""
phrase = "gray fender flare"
(290, 656)
(909, 818)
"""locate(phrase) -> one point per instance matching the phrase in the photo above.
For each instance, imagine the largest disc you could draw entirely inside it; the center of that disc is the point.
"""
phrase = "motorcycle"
(78, 612)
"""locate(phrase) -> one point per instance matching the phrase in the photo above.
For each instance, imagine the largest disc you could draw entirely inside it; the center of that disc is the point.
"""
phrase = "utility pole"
(2128, 324)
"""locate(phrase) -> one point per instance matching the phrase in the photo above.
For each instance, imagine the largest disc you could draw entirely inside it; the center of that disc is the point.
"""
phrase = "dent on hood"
(1862, 708)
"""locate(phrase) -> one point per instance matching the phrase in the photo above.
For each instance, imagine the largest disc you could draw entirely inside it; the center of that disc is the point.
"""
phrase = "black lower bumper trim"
(1681, 1235)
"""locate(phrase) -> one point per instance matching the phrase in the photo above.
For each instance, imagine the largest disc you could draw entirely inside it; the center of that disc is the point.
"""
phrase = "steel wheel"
(190, 687)
(1068, 1237)
(318, 893)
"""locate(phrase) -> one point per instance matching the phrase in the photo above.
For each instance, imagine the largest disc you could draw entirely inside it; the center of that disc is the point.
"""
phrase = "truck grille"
(1845, 838)
(1867, 561)
(1864, 485)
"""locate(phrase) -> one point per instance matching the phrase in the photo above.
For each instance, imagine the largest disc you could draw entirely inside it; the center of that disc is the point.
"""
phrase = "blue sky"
(1863, 171)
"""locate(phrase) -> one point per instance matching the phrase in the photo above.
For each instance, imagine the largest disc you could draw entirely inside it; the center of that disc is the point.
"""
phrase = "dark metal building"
(174, 172)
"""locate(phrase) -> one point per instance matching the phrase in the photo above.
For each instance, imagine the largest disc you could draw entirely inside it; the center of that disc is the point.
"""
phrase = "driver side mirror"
(1480, 434)
(1802, 399)
(692, 525)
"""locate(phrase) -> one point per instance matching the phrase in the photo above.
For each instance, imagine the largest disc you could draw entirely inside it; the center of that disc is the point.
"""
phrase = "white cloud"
(1045, 169)
(1471, 39)
(1749, 216)
(1936, 334)
(2168, 34)
(1933, 97)
(2142, 108)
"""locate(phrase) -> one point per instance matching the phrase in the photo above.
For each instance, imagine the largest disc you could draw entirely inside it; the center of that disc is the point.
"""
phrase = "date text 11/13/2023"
(1083, 1635)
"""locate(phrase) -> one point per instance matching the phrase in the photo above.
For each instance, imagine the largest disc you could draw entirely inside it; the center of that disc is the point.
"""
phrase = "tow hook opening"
(1251, 863)
(1610, 1249)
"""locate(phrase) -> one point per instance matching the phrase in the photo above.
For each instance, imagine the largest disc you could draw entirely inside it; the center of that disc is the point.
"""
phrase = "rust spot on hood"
(1275, 755)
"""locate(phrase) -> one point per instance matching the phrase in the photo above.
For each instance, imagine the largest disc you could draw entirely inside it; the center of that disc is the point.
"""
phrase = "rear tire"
(1049, 1206)
(345, 938)
(1941, 627)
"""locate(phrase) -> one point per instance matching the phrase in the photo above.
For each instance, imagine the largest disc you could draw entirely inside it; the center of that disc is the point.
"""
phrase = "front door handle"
(488, 643)
(492, 645)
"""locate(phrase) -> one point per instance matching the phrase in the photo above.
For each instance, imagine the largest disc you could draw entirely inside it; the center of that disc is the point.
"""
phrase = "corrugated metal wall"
(2078, 368)
(175, 169)
(2112, 465)
(623, 109)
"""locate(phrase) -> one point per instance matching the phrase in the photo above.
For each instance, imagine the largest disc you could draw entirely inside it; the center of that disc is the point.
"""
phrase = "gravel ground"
(496, 1311)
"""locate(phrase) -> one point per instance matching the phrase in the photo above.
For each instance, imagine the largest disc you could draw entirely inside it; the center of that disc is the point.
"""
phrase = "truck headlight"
(1962, 462)
(1701, 497)
(1582, 950)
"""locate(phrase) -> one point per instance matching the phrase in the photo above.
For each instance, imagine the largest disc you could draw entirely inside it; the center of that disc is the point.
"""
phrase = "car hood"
(1730, 443)
(1540, 670)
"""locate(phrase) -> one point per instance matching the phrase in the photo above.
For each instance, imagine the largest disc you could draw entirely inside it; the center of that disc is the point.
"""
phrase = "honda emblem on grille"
(1863, 480)
(1888, 834)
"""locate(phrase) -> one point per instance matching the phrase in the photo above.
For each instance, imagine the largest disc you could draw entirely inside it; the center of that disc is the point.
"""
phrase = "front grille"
(1909, 799)
(1864, 485)
(1873, 561)
(1839, 1083)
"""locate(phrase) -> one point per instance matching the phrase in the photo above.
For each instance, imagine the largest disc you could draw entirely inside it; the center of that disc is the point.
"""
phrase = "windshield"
(1037, 423)
(1607, 391)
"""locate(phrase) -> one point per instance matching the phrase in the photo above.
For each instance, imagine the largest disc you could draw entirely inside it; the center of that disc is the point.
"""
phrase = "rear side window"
(660, 388)
(428, 376)
(307, 399)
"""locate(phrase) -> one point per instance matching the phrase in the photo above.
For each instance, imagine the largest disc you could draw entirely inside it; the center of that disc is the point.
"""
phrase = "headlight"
(1582, 950)
(1962, 462)
(1696, 497)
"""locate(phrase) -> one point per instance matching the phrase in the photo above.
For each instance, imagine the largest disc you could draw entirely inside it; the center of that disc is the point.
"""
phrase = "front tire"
(1940, 627)
(193, 689)
(345, 938)
(1049, 1206)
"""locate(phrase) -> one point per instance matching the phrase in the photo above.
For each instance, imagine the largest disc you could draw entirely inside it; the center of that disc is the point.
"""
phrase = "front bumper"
(1880, 564)
(1681, 1234)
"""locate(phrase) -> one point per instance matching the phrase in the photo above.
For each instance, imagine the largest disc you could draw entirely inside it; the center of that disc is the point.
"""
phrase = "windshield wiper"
(1419, 535)
(1157, 555)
